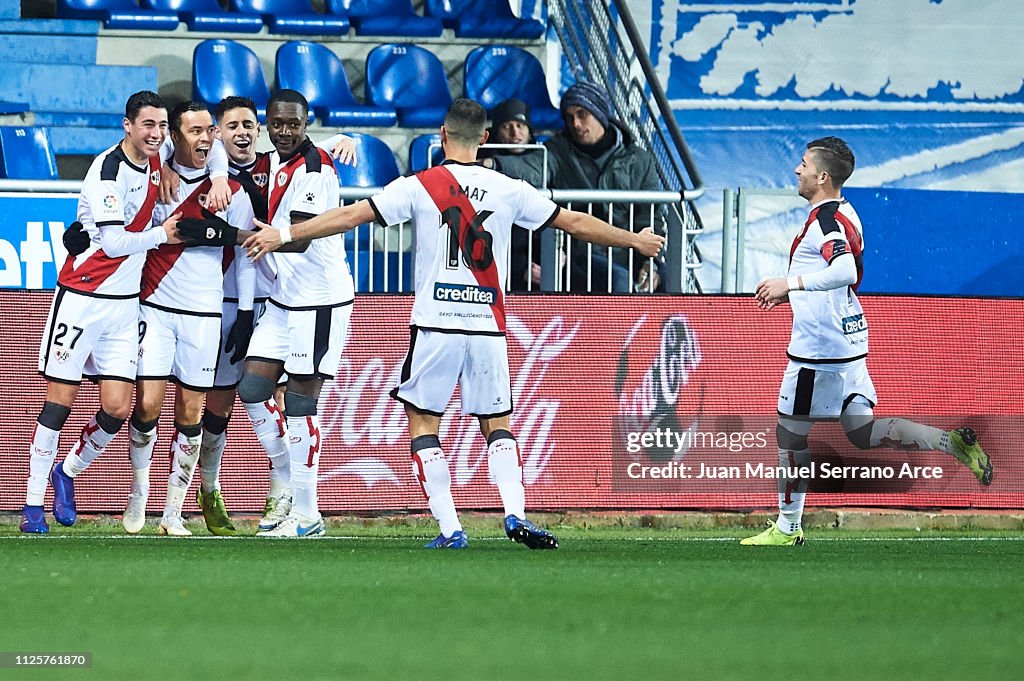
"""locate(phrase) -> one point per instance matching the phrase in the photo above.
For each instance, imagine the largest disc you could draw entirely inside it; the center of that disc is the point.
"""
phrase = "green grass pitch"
(618, 604)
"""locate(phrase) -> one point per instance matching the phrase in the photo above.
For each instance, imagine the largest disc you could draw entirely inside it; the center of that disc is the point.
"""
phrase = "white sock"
(304, 451)
(210, 453)
(90, 445)
(184, 454)
(280, 481)
(792, 491)
(430, 467)
(43, 452)
(506, 471)
(140, 451)
(904, 434)
(270, 426)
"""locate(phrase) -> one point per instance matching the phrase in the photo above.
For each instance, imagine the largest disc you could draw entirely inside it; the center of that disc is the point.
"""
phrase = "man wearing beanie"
(594, 151)
(510, 124)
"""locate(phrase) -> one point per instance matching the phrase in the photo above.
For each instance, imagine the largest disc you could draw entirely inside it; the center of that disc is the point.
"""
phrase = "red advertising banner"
(621, 403)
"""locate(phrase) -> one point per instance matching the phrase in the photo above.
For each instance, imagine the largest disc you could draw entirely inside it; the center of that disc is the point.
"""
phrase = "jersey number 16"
(476, 246)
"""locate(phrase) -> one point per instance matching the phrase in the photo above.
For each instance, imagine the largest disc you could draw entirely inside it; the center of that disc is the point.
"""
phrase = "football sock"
(904, 434)
(430, 467)
(304, 450)
(269, 423)
(792, 490)
(506, 469)
(44, 450)
(95, 437)
(212, 451)
(184, 454)
(142, 437)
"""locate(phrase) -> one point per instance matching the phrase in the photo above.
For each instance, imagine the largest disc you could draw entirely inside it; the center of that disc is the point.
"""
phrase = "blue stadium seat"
(207, 15)
(296, 17)
(386, 17)
(12, 107)
(494, 73)
(25, 154)
(319, 75)
(483, 19)
(377, 164)
(409, 79)
(421, 156)
(224, 67)
(117, 14)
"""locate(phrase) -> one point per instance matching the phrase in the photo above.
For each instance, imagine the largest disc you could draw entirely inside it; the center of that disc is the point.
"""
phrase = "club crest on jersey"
(61, 355)
(465, 293)
(260, 179)
(154, 177)
(110, 202)
(282, 179)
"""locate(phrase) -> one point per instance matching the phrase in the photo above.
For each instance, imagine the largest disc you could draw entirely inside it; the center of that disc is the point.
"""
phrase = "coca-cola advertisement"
(621, 402)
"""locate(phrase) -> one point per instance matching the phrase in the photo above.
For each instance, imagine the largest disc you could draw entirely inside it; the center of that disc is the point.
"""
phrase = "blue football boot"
(63, 496)
(33, 520)
(522, 531)
(458, 540)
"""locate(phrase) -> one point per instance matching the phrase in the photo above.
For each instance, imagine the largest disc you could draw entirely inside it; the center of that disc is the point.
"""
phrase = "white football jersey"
(463, 216)
(828, 326)
(191, 280)
(303, 187)
(253, 178)
(115, 192)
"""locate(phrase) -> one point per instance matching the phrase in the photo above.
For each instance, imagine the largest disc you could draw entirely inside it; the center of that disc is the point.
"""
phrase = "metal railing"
(735, 220)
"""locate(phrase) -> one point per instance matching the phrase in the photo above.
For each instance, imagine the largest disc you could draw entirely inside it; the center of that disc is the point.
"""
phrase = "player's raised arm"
(588, 228)
(334, 221)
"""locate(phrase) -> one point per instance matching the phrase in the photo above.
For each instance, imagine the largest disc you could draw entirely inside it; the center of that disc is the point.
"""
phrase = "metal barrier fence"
(381, 258)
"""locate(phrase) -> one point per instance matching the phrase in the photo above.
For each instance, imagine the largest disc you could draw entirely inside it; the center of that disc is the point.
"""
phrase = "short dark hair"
(465, 121)
(183, 108)
(235, 102)
(834, 157)
(140, 100)
(289, 97)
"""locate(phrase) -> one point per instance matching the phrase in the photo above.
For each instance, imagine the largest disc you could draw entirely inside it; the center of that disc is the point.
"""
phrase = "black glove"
(239, 335)
(76, 239)
(208, 231)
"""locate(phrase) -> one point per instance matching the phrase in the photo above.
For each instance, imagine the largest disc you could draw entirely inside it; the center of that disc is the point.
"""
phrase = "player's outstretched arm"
(588, 228)
(334, 221)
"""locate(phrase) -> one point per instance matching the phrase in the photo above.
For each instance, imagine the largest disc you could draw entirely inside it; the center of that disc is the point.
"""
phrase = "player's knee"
(53, 415)
(253, 388)
(118, 409)
(297, 404)
(787, 439)
(860, 436)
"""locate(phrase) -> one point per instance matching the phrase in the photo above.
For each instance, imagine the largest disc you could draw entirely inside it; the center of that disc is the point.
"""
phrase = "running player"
(827, 377)
(463, 215)
(92, 328)
(182, 293)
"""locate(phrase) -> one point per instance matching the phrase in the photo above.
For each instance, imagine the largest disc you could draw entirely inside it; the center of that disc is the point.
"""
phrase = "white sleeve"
(218, 161)
(394, 202)
(842, 271)
(331, 142)
(245, 279)
(116, 242)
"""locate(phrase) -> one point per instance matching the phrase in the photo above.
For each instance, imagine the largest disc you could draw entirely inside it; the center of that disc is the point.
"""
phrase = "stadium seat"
(421, 156)
(410, 80)
(207, 15)
(494, 73)
(483, 19)
(377, 164)
(224, 67)
(319, 75)
(25, 154)
(7, 107)
(296, 17)
(123, 14)
(386, 17)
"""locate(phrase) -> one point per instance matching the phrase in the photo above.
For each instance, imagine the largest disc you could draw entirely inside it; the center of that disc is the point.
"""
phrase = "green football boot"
(968, 452)
(215, 514)
(773, 536)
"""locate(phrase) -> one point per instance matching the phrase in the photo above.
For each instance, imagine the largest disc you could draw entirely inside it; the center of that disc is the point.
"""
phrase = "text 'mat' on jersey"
(828, 326)
(115, 192)
(300, 188)
(463, 216)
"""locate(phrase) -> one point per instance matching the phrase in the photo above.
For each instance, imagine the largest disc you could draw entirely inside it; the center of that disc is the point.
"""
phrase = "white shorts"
(228, 375)
(90, 336)
(308, 342)
(822, 391)
(178, 347)
(436, 361)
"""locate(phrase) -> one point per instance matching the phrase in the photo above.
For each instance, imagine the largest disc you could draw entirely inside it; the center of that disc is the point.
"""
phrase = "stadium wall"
(596, 382)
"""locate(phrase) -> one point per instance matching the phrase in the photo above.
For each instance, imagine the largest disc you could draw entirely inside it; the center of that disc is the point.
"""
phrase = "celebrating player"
(827, 376)
(463, 215)
(92, 328)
